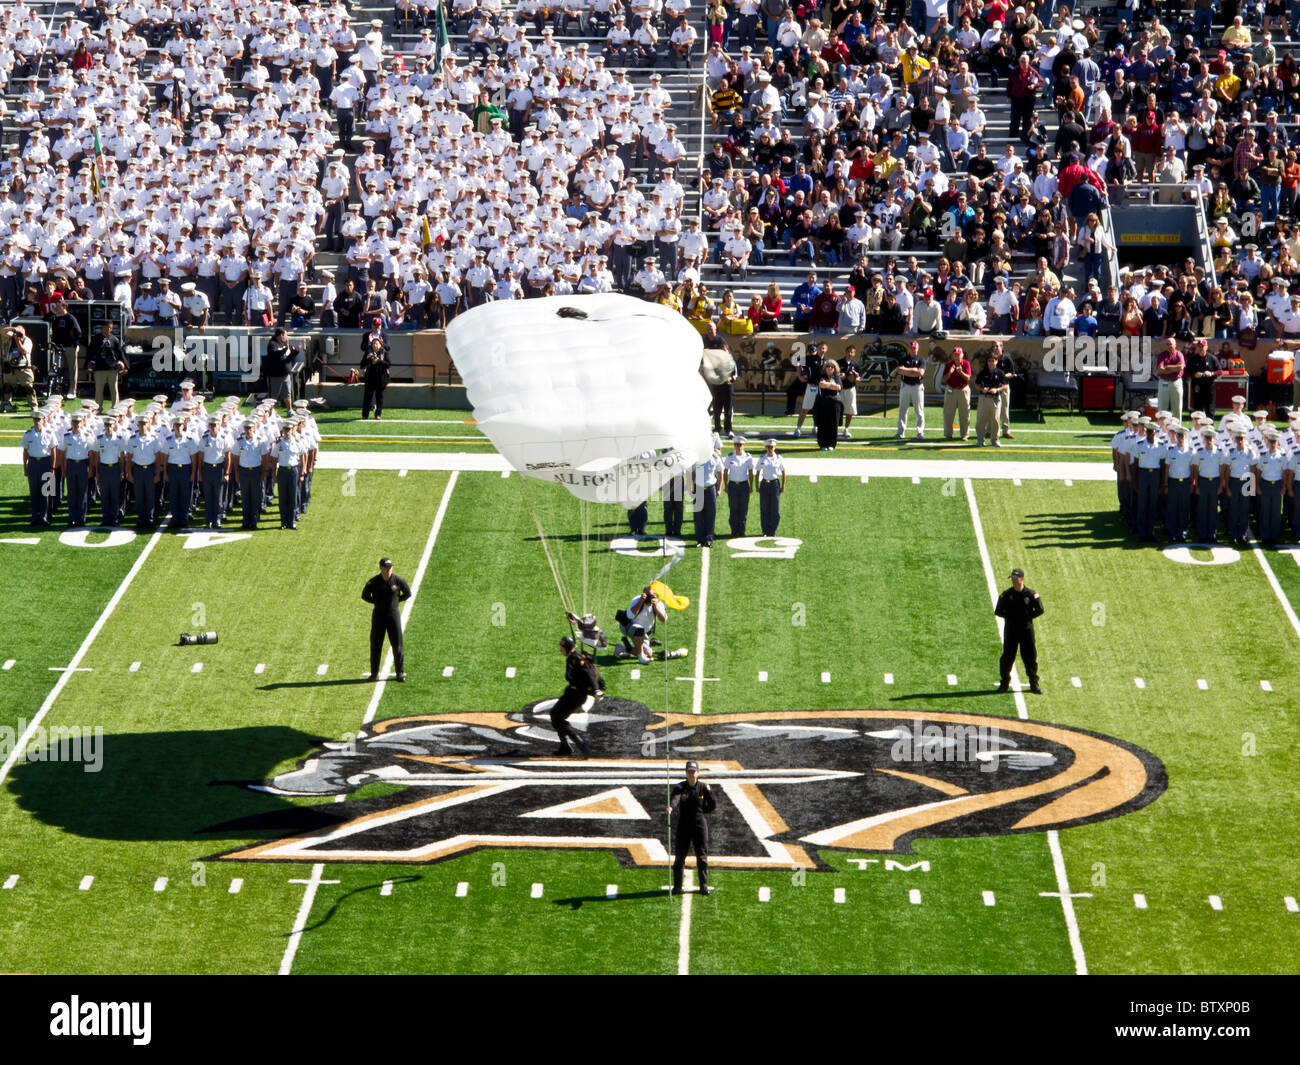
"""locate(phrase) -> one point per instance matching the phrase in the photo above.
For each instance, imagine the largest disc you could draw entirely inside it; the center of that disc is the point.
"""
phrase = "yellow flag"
(426, 237)
(666, 596)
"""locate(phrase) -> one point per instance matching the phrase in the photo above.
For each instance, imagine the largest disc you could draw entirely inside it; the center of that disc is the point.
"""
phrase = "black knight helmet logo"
(788, 783)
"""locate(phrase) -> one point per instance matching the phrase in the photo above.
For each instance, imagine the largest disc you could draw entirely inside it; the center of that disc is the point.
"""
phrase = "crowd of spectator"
(154, 147)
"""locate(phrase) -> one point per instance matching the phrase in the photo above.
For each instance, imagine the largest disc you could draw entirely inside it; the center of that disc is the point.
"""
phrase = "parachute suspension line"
(584, 524)
(668, 769)
(566, 601)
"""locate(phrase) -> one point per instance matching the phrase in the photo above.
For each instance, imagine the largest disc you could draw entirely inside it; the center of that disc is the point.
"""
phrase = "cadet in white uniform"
(38, 465)
(708, 478)
(214, 471)
(143, 470)
(111, 447)
(288, 473)
(1273, 472)
(74, 456)
(1240, 472)
(1120, 444)
(250, 453)
(1148, 456)
(1178, 466)
(769, 473)
(1209, 469)
(737, 476)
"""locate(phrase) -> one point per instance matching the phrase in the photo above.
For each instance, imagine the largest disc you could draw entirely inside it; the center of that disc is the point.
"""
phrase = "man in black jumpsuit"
(692, 802)
(1017, 607)
(386, 592)
(581, 679)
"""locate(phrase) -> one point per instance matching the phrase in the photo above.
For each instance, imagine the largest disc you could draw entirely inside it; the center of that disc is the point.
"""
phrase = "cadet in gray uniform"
(769, 474)
(737, 476)
(1148, 457)
(251, 455)
(288, 472)
(708, 478)
(1209, 469)
(144, 470)
(214, 471)
(38, 465)
(1124, 485)
(1240, 481)
(74, 456)
(1177, 477)
(111, 447)
(1272, 475)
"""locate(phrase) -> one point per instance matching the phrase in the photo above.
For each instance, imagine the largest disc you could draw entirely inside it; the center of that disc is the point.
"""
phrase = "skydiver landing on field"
(582, 679)
(590, 635)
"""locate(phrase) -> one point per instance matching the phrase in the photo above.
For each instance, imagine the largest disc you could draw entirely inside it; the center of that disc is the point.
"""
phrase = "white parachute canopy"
(600, 393)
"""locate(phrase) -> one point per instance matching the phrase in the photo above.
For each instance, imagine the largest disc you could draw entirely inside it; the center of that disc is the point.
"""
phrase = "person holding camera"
(637, 623)
(107, 362)
(375, 367)
(17, 362)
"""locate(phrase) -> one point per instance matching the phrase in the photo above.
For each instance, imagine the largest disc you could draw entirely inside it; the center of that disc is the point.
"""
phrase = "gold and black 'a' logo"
(787, 784)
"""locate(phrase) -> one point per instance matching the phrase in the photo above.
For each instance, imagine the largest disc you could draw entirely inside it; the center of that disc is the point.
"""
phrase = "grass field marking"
(1277, 588)
(611, 891)
(259, 668)
(1139, 901)
(86, 881)
(865, 479)
(11, 883)
(134, 667)
(839, 895)
(69, 669)
(762, 676)
(9, 664)
(914, 896)
(1216, 903)
(1053, 839)
(826, 677)
(510, 672)
(812, 478)
(416, 581)
(889, 678)
(21, 746)
(160, 884)
(989, 898)
(236, 885)
(322, 669)
(402, 473)
(697, 694)
(447, 671)
(304, 911)
(1203, 684)
(634, 674)
(462, 889)
(1139, 683)
(1289, 902)
(1075, 682)
(197, 667)
(915, 479)
(952, 680)
(1016, 481)
(684, 928)
(386, 888)
(535, 892)
(765, 894)
(1265, 686)
(1069, 483)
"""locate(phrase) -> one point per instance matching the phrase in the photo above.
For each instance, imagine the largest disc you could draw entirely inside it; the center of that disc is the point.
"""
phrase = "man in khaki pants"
(956, 393)
(107, 360)
(988, 383)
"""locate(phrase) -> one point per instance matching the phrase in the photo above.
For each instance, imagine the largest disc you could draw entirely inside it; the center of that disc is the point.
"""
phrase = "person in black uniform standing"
(386, 592)
(692, 802)
(1017, 607)
(375, 366)
(1202, 369)
(581, 679)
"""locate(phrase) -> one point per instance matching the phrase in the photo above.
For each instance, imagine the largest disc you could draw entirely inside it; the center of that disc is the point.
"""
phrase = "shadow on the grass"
(1097, 530)
(328, 915)
(160, 786)
(576, 902)
(316, 683)
(947, 693)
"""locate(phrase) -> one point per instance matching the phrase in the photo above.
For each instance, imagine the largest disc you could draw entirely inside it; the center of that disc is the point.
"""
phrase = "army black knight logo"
(788, 784)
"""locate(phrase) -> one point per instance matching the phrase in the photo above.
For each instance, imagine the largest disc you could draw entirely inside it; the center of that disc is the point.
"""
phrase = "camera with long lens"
(198, 638)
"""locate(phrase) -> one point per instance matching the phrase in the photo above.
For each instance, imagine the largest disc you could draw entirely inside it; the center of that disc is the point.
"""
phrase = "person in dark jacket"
(692, 802)
(386, 592)
(276, 364)
(375, 367)
(1017, 607)
(581, 679)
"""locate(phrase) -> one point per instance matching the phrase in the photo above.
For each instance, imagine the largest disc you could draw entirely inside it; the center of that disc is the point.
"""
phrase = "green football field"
(258, 806)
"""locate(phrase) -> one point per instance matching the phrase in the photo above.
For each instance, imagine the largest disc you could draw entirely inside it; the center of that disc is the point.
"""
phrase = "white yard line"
(1053, 838)
(309, 894)
(1277, 588)
(697, 695)
(66, 675)
(684, 930)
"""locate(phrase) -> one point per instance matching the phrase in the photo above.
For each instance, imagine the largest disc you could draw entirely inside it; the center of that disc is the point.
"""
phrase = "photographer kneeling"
(637, 623)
